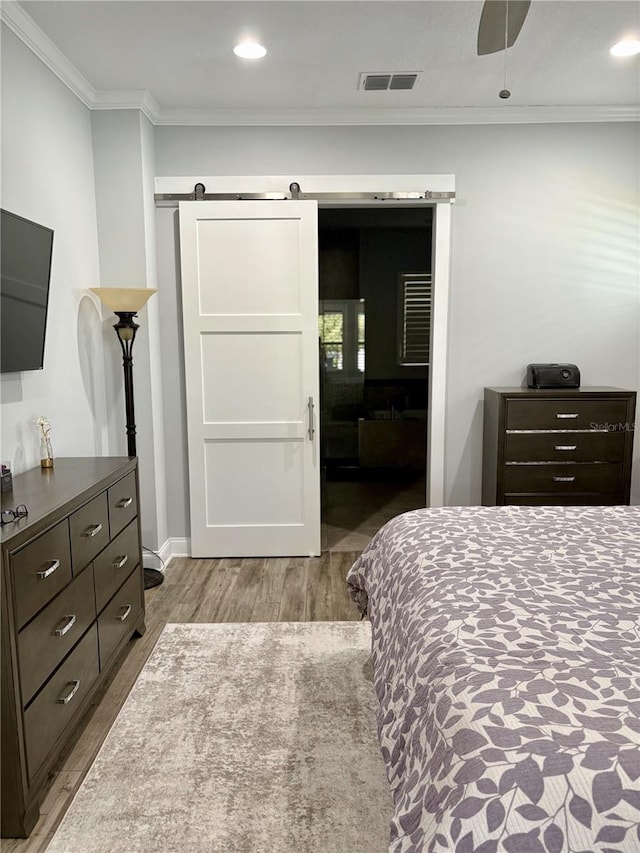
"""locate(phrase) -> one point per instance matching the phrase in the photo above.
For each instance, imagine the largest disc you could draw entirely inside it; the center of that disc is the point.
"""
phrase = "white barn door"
(250, 315)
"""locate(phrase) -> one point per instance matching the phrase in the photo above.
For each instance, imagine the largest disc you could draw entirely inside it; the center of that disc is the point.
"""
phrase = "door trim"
(442, 226)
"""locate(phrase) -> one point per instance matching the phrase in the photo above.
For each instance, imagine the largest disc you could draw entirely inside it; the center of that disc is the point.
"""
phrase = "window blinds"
(414, 318)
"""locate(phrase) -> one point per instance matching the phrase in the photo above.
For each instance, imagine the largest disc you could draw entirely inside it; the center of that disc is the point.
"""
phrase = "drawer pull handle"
(566, 415)
(92, 530)
(124, 503)
(119, 562)
(566, 447)
(126, 611)
(55, 564)
(63, 700)
(564, 479)
(68, 625)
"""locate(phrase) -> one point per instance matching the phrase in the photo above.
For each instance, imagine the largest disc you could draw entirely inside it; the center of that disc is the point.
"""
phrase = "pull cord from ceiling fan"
(505, 93)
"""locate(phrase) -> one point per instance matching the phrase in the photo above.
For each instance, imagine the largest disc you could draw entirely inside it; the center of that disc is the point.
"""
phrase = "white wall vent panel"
(382, 82)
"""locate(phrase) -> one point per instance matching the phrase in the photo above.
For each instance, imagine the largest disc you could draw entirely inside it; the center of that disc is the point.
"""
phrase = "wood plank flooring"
(243, 590)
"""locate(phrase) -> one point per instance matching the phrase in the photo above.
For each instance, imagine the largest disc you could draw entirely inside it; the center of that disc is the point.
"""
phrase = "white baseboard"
(176, 546)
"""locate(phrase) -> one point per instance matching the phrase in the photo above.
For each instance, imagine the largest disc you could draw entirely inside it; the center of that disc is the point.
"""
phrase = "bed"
(506, 658)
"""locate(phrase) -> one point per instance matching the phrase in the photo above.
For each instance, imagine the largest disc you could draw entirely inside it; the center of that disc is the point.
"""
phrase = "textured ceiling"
(181, 52)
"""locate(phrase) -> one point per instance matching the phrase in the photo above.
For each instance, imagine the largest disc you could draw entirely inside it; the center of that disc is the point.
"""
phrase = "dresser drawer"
(566, 414)
(563, 500)
(568, 447)
(119, 616)
(50, 636)
(40, 570)
(115, 563)
(55, 707)
(123, 505)
(89, 527)
(602, 479)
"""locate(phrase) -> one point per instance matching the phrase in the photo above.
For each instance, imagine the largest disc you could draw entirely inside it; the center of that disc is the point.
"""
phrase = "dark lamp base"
(152, 577)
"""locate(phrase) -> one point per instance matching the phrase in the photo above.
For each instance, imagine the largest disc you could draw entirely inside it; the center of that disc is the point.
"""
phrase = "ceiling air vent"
(403, 81)
(387, 82)
(377, 82)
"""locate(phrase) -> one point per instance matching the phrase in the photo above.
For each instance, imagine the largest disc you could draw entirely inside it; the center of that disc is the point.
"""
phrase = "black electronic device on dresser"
(553, 376)
(557, 446)
(72, 597)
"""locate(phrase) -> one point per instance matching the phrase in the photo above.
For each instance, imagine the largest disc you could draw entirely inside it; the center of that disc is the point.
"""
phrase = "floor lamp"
(125, 302)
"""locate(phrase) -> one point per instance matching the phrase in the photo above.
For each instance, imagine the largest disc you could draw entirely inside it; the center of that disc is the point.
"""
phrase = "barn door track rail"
(295, 193)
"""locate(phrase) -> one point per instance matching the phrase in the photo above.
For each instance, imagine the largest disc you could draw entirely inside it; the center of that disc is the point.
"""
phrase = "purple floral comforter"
(506, 655)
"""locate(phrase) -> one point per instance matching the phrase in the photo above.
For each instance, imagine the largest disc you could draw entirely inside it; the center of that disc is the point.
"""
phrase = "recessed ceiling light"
(628, 47)
(249, 50)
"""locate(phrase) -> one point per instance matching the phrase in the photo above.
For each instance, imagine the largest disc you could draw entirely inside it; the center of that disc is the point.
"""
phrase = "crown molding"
(393, 116)
(134, 99)
(25, 28)
(20, 23)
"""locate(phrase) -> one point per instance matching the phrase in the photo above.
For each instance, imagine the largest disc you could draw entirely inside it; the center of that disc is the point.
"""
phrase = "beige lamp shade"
(124, 298)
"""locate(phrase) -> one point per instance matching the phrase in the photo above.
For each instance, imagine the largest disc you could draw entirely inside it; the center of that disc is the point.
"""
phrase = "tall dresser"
(72, 597)
(560, 446)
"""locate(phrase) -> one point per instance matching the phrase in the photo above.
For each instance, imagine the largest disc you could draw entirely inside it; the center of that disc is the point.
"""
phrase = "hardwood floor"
(243, 590)
(354, 510)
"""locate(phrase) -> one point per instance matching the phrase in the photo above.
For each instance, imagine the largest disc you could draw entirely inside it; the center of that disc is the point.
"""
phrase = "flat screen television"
(25, 270)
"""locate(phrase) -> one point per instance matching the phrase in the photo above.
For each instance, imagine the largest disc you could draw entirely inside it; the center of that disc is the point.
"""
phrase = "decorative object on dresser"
(126, 302)
(557, 447)
(46, 448)
(7, 477)
(72, 597)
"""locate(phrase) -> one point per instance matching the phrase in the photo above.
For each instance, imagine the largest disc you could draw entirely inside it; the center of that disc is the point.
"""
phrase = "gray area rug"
(240, 738)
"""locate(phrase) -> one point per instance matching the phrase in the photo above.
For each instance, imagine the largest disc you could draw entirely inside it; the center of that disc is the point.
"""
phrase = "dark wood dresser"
(560, 446)
(72, 596)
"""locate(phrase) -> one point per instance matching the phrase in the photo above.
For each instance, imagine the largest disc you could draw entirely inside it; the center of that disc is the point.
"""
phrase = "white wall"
(155, 396)
(546, 262)
(124, 170)
(90, 178)
(47, 176)
(116, 151)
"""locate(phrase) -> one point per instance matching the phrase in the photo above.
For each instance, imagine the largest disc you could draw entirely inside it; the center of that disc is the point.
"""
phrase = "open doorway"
(375, 273)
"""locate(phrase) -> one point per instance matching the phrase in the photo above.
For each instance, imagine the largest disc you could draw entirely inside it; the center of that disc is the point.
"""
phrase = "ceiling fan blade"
(491, 32)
